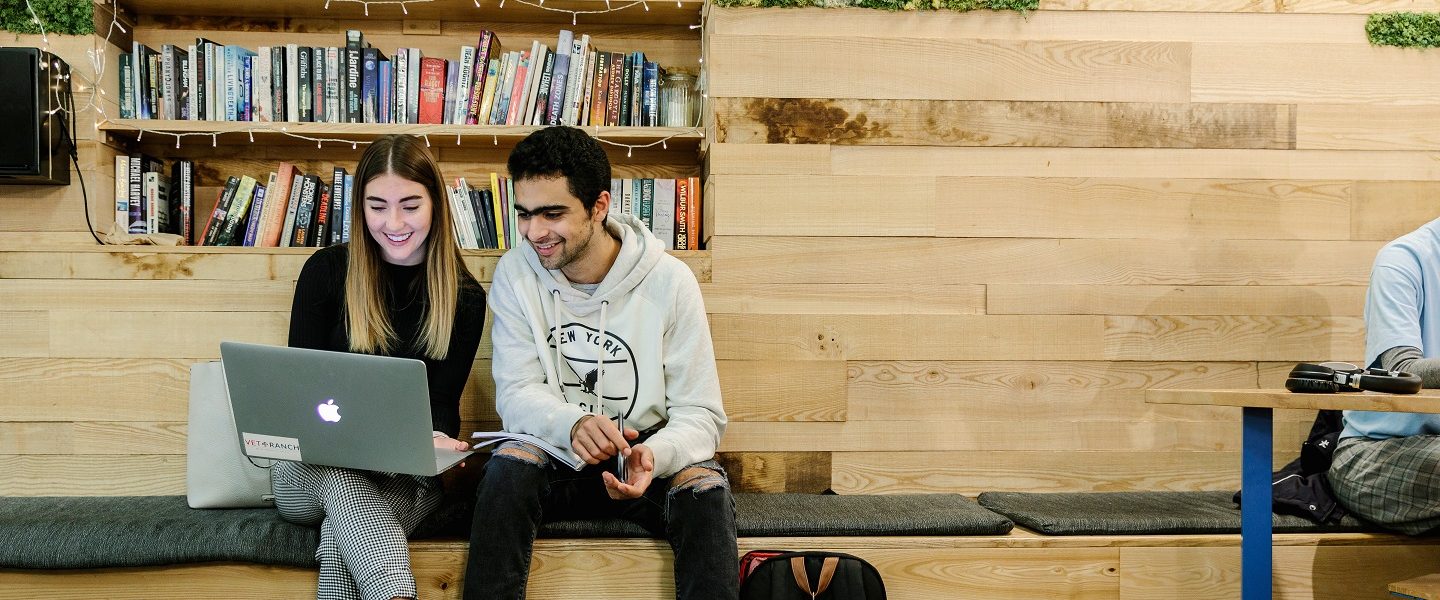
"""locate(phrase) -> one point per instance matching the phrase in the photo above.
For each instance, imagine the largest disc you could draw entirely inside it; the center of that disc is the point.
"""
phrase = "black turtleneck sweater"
(317, 320)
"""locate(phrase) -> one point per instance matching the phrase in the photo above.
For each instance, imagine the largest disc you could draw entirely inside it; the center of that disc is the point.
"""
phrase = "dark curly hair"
(566, 152)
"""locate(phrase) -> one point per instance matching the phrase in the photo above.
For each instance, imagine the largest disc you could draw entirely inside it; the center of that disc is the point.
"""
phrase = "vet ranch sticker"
(270, 446)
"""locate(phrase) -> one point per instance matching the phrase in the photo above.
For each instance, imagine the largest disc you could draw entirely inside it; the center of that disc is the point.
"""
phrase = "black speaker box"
(34, 148)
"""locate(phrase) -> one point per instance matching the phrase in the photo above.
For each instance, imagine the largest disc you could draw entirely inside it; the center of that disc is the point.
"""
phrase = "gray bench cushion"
(1140, 513)
(761, 515)
(80, 533)
(97, 532)
(773, 515)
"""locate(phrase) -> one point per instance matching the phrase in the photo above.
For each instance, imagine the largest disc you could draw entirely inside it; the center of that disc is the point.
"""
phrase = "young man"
(594, 322)
(1386, 467)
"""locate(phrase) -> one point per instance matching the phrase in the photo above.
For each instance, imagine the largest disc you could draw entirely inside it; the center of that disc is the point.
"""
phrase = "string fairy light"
(540, 4)
(460, 134)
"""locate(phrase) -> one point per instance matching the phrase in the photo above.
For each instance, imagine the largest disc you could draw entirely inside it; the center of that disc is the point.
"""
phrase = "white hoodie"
(648, 318)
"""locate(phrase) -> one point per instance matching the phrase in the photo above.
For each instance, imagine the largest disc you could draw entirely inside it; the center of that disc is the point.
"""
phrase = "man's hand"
(596, 439)
(639, 468)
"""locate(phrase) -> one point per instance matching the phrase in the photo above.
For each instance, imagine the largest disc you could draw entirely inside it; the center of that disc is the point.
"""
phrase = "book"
(201, 83)
(140, 164)
(187, 83)
(497, 212)
(636, 78)
(412, 86)
(559, 82)
(452, 76)
(304, 81)
(664, 213)
(182, 205)
(333, 77)
(488, 438)
(321, 235)
(697, 208)
(277, 193)
(370, 85)
(486, 54)
(460, 106)
(579, 69)
(432, 90)
(257, 210)
(650, 96)
(682, 214)
(601, 90)
(540, 103)
(338, 213)
(317, 85)
(263, 98)
(386, 84)
(279, 105)
(157, 203)
(647, 203)
(615, 80)
(354, 46)
(292, 206)
(487, 99)
(400, 75)
(122, 192)
(127, 86)
(305, 214)
(349, 206)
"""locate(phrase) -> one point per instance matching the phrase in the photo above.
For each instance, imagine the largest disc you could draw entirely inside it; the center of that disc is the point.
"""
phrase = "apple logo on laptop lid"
(329, 411)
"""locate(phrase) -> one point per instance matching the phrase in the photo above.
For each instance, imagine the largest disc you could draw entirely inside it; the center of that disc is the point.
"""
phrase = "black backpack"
(776, 575)
(1302, 488)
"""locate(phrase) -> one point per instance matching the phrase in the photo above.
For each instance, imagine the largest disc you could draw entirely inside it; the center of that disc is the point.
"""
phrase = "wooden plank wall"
(948, 251)
(989, 232)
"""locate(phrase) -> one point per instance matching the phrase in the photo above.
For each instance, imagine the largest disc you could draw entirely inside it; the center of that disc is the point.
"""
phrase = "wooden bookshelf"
(438, 28)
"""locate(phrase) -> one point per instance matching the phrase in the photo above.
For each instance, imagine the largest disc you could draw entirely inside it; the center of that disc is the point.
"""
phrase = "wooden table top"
(1425, 401)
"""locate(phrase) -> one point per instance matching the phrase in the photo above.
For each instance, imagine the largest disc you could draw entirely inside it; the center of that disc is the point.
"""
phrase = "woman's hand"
(448, 443)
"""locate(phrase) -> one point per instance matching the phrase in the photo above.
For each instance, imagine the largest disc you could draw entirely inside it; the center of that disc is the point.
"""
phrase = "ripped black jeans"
(696, 515)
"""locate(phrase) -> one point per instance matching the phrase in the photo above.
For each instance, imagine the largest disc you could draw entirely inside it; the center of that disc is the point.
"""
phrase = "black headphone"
(1331, 377)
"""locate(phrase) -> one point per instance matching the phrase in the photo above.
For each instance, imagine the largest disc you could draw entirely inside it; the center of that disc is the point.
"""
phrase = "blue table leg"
(1255, 538)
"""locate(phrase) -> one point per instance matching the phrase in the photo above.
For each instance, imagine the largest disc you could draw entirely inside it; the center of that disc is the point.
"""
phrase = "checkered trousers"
(364, 518)
(1392, 482)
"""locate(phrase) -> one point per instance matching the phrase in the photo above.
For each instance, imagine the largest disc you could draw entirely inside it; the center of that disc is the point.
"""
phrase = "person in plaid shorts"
(1386, 467)
(398, 288)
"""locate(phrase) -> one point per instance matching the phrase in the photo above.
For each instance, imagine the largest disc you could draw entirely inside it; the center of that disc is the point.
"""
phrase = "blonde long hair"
(367, 319)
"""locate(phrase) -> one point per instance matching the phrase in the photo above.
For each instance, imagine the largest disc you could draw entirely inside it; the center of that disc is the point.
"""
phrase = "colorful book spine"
(432, 90)
(486, 51)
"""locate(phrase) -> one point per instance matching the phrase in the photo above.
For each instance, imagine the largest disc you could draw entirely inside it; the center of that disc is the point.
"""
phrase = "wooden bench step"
(1019, 565)
(1425, 587)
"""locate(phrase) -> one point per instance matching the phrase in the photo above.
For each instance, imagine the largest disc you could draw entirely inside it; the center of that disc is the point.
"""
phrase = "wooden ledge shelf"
(229, 133)
(668, 12)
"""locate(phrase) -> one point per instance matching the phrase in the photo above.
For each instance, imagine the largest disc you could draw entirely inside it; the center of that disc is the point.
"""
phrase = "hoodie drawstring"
(600, 353)
(599, 407)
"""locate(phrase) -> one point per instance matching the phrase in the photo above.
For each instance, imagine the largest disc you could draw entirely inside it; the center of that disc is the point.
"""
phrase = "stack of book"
(291, 209)
(669, 207)
(570, 84)
(147, 201)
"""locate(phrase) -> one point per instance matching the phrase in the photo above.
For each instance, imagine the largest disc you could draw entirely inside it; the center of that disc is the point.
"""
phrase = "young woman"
(398, 288)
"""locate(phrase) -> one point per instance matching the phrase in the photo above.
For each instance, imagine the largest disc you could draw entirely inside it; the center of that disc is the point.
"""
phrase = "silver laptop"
(333, 408)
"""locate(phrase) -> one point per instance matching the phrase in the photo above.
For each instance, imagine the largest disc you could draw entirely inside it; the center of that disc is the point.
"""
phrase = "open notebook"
(494, 437)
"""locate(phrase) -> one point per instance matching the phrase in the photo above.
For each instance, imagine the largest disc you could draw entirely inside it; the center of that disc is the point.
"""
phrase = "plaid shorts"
(1393, 482)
